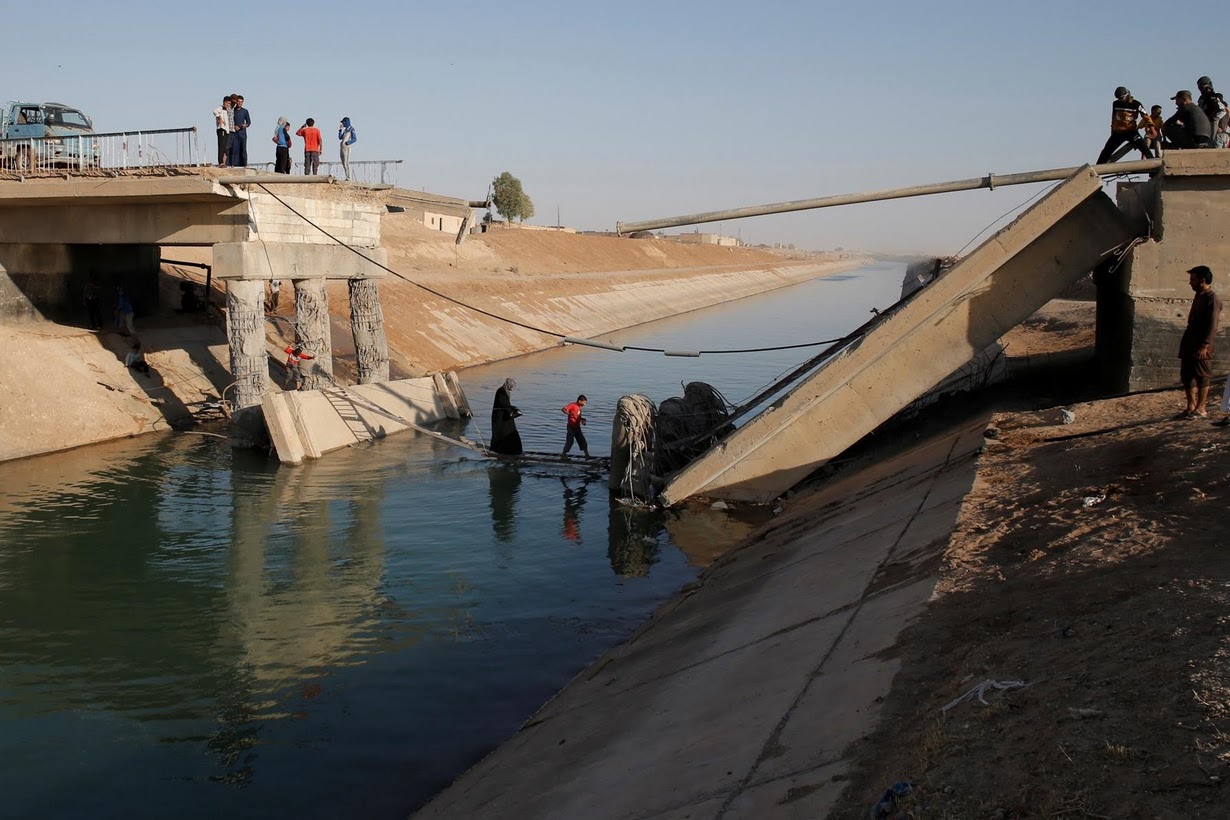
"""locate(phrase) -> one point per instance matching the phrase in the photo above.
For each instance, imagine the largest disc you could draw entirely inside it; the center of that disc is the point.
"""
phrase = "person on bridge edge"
(1124, 127)
(1188, 126)
(504, 436)
(239, 137)
(1196, 346)
(282, 141)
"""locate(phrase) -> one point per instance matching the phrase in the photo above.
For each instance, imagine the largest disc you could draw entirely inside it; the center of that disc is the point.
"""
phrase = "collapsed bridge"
(1140, 246)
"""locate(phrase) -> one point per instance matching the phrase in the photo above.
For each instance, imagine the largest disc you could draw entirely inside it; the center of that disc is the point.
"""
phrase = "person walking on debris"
(296, 367)
(1196, 346)
(281, 138)
(1124, 113)
(1188, 127)
(1214, 107)
(224, 122)
(311, 147)
(239, 136)
(575, 422)
(347, 137)
(504, 436)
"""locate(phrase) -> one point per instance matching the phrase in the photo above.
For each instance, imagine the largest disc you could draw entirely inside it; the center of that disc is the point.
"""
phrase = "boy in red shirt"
(575, 420)
(311, 147)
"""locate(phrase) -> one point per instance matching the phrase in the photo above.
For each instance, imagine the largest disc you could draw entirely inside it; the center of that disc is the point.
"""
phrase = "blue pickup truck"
(44, 136)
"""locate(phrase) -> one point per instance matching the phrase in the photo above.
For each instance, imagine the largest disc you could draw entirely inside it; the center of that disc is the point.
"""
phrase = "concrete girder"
(286, 260)
(1003, 281)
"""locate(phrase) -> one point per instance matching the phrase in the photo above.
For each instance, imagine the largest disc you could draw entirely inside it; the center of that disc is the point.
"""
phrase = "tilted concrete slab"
(310, 423)
(742, 695)
(1003, 281)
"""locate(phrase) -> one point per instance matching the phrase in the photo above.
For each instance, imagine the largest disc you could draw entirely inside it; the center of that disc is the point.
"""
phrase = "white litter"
(1092, 501)
(1068, 416)
(981, 689)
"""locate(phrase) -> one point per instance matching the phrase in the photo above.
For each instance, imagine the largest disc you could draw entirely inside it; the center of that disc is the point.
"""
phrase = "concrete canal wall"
(741, 697)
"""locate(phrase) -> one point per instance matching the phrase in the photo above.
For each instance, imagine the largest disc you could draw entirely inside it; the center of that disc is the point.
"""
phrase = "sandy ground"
(1089, 563)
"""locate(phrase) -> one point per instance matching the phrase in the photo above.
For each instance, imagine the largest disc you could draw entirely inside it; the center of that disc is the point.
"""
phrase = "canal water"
(189, 631)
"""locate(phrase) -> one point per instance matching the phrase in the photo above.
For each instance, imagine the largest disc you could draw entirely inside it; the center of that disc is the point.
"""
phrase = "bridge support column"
(371, 346)
(312, 330)
(245, 330)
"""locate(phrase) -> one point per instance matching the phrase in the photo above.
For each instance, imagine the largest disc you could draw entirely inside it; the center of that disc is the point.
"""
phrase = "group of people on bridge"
(232, 121)
(1204, 123)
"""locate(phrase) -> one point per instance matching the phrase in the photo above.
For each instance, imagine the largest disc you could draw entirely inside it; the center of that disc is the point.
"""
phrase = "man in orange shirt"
(311, 147)
(575, 420)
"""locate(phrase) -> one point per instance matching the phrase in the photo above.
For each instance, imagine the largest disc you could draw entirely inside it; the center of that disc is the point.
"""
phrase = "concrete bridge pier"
(371, 345)
(312, 330)
(245, 331)
(247, 266)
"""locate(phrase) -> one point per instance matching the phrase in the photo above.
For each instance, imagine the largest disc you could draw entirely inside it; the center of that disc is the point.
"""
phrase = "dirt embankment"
(1089, 562)
(566, 283)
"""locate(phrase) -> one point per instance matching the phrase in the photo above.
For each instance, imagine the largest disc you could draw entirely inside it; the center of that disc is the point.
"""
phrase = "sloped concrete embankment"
(741, 696)
(427, 333)
(64, 386)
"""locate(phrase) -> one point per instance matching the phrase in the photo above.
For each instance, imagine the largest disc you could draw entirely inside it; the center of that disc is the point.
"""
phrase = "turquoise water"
(189, 631)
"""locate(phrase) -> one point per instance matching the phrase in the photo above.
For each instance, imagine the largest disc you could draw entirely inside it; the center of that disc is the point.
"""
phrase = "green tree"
(509, 199)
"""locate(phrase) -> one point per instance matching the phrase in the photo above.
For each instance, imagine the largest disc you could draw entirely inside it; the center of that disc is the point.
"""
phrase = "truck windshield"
(67, 118)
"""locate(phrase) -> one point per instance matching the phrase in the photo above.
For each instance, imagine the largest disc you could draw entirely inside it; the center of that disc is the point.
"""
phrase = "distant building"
(435, 211)
(697, 238)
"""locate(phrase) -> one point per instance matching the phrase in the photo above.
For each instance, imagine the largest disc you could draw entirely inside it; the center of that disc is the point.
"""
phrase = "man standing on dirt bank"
(1196, 346)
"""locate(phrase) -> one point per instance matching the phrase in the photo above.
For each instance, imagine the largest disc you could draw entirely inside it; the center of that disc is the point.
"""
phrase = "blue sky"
(632, 110)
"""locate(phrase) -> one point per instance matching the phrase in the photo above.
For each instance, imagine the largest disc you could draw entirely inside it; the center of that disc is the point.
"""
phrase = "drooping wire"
(506, 319)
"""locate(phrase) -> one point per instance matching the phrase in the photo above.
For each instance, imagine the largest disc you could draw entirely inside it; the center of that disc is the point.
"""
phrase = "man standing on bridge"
(1124, 127)
(1196, 346)
(239, 138)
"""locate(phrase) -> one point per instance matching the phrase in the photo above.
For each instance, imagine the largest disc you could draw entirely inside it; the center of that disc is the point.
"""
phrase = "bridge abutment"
(1183, 215)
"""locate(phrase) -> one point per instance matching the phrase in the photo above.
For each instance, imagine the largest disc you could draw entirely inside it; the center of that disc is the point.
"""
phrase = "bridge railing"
(119, 150)
(364, 172)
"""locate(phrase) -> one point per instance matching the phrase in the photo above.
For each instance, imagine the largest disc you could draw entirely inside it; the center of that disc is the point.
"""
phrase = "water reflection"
(633, 534)
(574, 502)
(504, 484)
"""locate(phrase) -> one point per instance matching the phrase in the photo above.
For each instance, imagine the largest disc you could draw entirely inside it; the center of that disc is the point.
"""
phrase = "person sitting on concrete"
(1188, 127)
(136, 358)
(297, 367)
(1214, 107)
(1196, 346)
(1124, 128)
(188, 300)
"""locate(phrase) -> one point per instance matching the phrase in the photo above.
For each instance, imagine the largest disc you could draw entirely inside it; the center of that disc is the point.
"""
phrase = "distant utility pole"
(558, 224)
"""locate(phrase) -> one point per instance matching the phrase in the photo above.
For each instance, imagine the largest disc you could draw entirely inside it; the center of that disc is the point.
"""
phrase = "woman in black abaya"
(504, 436)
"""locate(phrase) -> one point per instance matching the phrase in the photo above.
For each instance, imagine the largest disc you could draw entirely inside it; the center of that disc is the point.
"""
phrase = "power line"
(524, 325)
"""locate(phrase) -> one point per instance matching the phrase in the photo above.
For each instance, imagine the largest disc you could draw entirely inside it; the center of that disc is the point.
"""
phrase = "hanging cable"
(561, 336)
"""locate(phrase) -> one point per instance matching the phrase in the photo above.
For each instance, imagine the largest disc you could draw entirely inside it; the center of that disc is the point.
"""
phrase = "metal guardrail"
(119, 150)
(364, 172)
